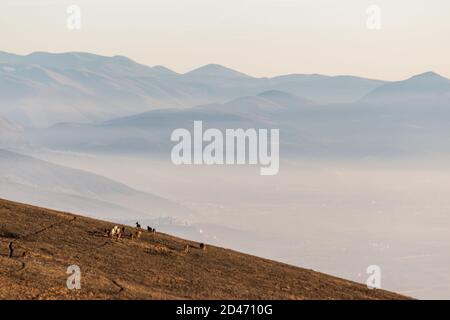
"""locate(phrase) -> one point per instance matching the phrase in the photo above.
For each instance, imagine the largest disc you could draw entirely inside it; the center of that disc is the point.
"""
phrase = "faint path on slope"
(48, 228)
(17, 245)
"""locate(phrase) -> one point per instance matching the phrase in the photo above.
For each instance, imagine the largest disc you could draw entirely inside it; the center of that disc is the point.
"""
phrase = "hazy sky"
(258, 37)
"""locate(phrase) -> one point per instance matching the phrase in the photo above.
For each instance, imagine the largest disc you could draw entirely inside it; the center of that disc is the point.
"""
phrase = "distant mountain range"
(409, 117)
(41, 89)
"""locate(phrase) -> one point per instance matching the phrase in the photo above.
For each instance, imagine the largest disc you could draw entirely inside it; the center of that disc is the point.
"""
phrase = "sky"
(257, 37)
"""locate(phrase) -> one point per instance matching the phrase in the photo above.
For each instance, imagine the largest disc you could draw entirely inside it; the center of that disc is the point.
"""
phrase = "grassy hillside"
(47, 242)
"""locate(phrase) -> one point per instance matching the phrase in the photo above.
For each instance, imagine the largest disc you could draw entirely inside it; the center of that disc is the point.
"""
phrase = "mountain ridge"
(40, 89)
(424, 88)
(215, 70)
(207, 68)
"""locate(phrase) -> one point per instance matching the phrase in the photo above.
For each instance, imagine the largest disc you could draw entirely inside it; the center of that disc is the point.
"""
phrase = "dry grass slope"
(154, 267)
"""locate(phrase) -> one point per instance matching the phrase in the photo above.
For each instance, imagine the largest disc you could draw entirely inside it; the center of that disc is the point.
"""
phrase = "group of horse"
(117, 232)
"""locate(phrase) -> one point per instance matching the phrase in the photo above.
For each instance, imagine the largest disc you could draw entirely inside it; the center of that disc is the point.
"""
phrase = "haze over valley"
(363, 176)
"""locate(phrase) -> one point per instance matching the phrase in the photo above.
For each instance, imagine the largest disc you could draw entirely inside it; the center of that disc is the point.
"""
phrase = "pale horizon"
(260, 38)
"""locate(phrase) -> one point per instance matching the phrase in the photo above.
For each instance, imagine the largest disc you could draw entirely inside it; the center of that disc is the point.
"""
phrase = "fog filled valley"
(337, 217)
(363, 176)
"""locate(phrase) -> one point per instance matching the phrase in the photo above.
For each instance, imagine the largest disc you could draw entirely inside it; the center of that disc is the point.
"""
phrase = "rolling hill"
(45, 243)
(24, 178)
(149, 132)
(428, 90)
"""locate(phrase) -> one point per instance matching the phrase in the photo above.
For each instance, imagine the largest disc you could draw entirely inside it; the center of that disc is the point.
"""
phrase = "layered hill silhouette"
(82, 102)
(41, 89)
(25, 178)
(398, 119)
(427, 90)
(156, 266)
